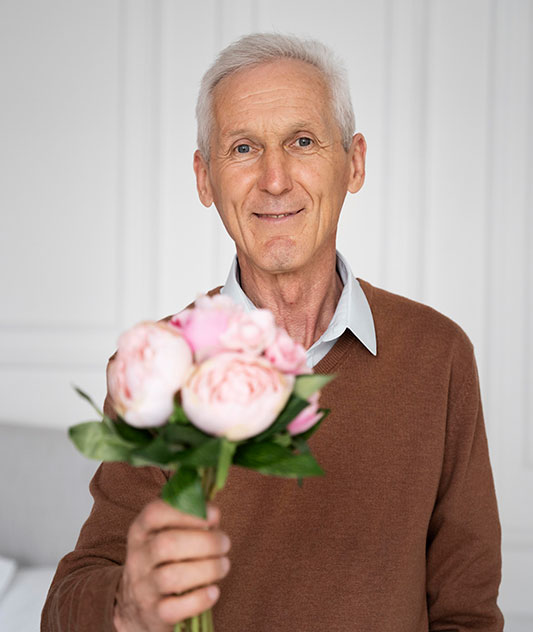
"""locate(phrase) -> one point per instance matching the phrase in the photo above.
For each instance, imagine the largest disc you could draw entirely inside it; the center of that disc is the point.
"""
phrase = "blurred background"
(101, 226)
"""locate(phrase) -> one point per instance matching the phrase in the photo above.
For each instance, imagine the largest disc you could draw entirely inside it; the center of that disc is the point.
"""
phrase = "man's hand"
(169, 553)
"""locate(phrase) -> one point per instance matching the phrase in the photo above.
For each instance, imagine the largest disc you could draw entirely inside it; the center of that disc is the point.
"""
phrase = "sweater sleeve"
(463, 546)
(82, 594)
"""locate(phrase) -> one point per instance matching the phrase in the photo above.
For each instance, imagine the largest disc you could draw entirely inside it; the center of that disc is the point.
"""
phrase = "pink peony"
(252, 332)
(286, 354)
(152, 362)
(203, 325)
(235, 395)
(307, 418)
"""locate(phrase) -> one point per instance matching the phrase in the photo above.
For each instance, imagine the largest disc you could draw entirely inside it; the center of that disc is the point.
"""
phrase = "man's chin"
(282, 258)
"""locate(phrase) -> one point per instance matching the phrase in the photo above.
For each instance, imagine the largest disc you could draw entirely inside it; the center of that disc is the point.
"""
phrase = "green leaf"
(95, 440)
(204, 455)
(283, 439)
(133, 436)
(294, 406)
(88, 398)
(306, 385)
(252, 454)
(110, 423)
(164, 454)
(107, 421)
(158, 453)
(183, 491)
(185, 435)
(225, 458)
(297, 466)
(270, 458)
(178, 415)
(300, 444)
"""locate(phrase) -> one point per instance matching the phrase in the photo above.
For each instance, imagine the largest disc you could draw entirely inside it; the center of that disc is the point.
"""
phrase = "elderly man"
(402, 534)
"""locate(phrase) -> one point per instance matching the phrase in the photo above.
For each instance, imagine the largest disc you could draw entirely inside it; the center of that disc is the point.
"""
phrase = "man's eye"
(243, 148)
(304, 141)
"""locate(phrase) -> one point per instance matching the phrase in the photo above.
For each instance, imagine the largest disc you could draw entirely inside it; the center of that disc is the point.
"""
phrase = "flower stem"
(202, 622)
(207, 621)
(195, 624)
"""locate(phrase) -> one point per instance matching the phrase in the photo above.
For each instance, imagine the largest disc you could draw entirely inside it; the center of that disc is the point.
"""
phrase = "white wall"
(101, 227)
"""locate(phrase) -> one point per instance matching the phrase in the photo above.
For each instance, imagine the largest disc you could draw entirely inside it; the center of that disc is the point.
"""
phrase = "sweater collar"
(352, 312)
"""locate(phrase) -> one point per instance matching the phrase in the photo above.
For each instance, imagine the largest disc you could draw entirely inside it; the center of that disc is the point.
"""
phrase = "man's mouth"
(277, 215)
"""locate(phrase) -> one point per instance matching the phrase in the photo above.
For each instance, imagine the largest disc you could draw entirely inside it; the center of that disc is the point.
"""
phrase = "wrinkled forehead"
(272, 89)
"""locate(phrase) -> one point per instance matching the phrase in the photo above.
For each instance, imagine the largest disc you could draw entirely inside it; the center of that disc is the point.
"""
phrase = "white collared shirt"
(352, 312)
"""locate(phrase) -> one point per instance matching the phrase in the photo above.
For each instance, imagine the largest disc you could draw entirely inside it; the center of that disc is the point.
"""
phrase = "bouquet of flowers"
(211, 387)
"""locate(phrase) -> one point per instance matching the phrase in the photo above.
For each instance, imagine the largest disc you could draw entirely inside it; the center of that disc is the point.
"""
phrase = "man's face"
(278, 173)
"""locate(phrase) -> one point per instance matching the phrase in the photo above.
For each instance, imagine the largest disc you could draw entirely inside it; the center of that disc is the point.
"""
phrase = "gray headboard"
(44, 496)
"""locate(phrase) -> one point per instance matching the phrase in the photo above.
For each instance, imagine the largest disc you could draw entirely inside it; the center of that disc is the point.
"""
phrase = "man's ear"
(357, 163)
(203, 184)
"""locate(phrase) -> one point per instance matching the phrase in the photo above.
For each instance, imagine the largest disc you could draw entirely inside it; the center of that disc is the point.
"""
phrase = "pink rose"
(307, 418)
(252, 332)
(286, 354)
(203, 325)
(235, 395)
(152, 362)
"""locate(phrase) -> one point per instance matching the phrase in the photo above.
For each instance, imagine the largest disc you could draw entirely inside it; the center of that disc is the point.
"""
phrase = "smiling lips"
(272, 216)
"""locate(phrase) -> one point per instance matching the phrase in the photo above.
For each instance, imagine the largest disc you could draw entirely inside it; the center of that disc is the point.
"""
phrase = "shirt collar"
(353, 311)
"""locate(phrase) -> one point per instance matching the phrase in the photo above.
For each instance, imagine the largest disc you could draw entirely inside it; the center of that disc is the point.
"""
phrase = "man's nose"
(274, 177)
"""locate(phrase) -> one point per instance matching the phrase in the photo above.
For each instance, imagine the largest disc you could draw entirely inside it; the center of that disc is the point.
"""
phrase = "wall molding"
(528, 247)
(140, 182)
(405, 149)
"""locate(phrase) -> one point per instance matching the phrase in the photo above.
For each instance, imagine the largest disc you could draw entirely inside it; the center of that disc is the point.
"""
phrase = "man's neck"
(303, 301)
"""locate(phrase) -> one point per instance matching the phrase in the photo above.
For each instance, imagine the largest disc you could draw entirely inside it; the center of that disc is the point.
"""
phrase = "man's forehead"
(291, 92)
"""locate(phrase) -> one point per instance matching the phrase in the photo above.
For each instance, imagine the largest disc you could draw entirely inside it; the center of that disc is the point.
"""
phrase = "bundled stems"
(202, 622)
(208, 482)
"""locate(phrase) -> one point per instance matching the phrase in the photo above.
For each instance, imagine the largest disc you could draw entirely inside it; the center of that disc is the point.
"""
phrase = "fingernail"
(226, 543)
(213, 592)
(224, 561)
(212, 513)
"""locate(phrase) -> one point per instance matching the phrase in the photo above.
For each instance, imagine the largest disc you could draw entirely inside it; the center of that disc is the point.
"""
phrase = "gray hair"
(258, 48)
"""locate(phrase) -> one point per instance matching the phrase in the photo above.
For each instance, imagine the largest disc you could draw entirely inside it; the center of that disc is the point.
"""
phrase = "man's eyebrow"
(237, 132)
(302, 125)
(292, 129)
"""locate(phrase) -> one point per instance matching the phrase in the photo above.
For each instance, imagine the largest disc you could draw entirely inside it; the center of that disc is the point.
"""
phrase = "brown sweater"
(401, 535)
